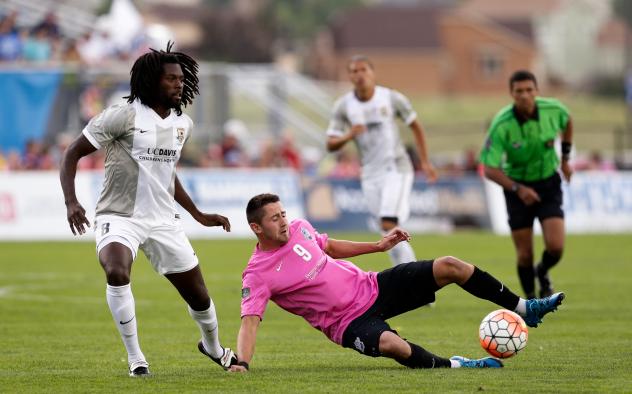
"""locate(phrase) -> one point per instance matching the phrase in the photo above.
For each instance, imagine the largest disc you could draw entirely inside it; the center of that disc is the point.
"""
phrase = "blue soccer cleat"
(538, 307)
(487, 362)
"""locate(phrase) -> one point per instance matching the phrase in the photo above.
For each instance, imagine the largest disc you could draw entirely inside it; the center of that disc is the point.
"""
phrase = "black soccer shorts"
(550, 205)
(402, 288)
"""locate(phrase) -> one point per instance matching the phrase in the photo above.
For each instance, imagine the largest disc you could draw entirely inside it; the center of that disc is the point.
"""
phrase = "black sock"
(527, 280)
(549, 260)
(483, 285)
(421, 358)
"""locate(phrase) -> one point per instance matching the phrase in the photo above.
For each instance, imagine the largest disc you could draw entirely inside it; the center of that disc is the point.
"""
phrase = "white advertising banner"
(594, 202)
(32, 203)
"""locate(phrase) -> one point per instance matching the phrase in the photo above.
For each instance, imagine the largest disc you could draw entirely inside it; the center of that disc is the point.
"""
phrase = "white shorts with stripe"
(388, 194)
(165, 245)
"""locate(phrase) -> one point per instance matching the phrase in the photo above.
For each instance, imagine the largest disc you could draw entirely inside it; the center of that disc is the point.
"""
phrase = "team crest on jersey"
(245, 292)
(384, 111)
(306, 234)
(180, 132)
(517, 145)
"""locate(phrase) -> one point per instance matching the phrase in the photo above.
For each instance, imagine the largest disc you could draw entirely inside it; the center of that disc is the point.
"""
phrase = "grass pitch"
(57, 334)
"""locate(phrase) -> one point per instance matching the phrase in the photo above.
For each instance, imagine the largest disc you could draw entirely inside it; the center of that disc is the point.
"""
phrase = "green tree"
(623, 8)
(298, 20)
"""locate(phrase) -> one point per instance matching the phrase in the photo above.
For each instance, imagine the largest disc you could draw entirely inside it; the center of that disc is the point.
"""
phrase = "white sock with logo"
(121, 303)
(402, 253)
(207, 321)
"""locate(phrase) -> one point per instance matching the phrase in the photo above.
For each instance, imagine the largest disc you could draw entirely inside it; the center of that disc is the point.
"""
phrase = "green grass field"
(57, 334)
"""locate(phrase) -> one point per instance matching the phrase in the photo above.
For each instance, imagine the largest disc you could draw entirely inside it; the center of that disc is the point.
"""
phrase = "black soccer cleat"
(139, 370)
(227, 360)
(546, 287)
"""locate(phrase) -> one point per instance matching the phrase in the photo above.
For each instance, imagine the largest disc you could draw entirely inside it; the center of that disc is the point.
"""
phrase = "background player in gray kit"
(143, 140)
(367, 115)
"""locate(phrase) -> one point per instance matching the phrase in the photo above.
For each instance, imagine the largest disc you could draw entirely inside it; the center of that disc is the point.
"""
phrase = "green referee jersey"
(525, 148)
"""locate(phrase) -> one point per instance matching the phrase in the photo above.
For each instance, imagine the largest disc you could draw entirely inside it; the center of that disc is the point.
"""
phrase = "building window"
(490, 65)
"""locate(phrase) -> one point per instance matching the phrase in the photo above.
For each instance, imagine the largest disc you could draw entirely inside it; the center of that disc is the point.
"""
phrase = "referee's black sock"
(421, 358)
(549, 260)
(483, 285)
(527, 280)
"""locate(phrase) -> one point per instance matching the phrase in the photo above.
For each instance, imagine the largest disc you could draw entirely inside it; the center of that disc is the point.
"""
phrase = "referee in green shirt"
(519, 155)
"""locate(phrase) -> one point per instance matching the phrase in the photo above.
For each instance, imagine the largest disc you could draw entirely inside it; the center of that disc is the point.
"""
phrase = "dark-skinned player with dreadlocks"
(143, 140)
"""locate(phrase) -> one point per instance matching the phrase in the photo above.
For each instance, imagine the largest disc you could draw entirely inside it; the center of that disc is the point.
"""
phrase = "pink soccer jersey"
(300, 278)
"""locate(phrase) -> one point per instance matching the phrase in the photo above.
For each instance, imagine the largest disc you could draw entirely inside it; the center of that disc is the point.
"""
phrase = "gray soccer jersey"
(380, 145)
(142, 150)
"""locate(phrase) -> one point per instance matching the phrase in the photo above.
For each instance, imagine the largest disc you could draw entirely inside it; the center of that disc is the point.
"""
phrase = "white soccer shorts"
(165, 245)
(388, 194)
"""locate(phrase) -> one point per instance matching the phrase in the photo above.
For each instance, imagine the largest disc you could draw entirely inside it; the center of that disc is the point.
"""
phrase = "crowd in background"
(233, 151)
(44, 42)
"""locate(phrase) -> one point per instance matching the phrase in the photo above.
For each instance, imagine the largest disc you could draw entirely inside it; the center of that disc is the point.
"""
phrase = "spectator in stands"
(595, 162)
(37, 46)
(14, 161)
(49, 26)
(233, 152)
(10, 40)
(347, 165)
(290, 157)
(212, 157)
(96, 47)
(3, 163)
(36, 157)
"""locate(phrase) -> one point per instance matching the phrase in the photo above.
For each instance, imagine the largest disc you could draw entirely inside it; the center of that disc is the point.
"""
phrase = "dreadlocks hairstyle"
(147, 71)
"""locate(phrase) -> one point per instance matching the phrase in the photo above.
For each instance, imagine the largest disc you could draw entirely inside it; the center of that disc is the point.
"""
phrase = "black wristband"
(566, 148)
(244, 364)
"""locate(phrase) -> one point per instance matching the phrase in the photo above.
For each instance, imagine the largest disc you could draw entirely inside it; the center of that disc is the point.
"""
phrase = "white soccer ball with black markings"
(503, 333)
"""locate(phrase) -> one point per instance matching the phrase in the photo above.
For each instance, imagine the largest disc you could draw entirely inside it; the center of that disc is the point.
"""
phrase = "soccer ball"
(503, 333)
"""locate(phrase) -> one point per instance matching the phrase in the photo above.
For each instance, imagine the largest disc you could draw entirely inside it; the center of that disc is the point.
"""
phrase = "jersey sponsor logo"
(488, 143)
(359, 344)
(125, 322)
(278, 268)
(245, 292)
(180, 132)
(306, 234)
(161, 152)
(141, 130)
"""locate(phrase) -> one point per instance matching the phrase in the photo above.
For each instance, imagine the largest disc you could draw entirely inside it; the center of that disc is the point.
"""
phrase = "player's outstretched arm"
(246, 342)
(340, 249)
(420, 142)
(205, 219)
(75, 213)
(567, 141)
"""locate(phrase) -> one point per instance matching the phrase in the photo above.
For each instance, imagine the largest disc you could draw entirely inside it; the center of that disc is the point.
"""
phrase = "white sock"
(455, 364)
(121, 303)
(207, 321)
(521, 308)
(402, 253)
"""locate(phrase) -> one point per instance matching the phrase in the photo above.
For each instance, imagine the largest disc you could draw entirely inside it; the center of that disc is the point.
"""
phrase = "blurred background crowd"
(580, 51)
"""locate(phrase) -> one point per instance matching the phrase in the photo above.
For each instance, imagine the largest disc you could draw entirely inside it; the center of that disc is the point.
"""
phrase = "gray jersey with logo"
(141, 153)
(380, 146)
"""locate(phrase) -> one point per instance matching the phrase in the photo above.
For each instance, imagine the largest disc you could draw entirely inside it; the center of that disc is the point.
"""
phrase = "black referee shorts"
(402, 288)
(550, 205)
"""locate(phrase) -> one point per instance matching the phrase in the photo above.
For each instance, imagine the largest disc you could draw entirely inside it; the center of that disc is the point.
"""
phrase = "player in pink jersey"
(299, 269)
